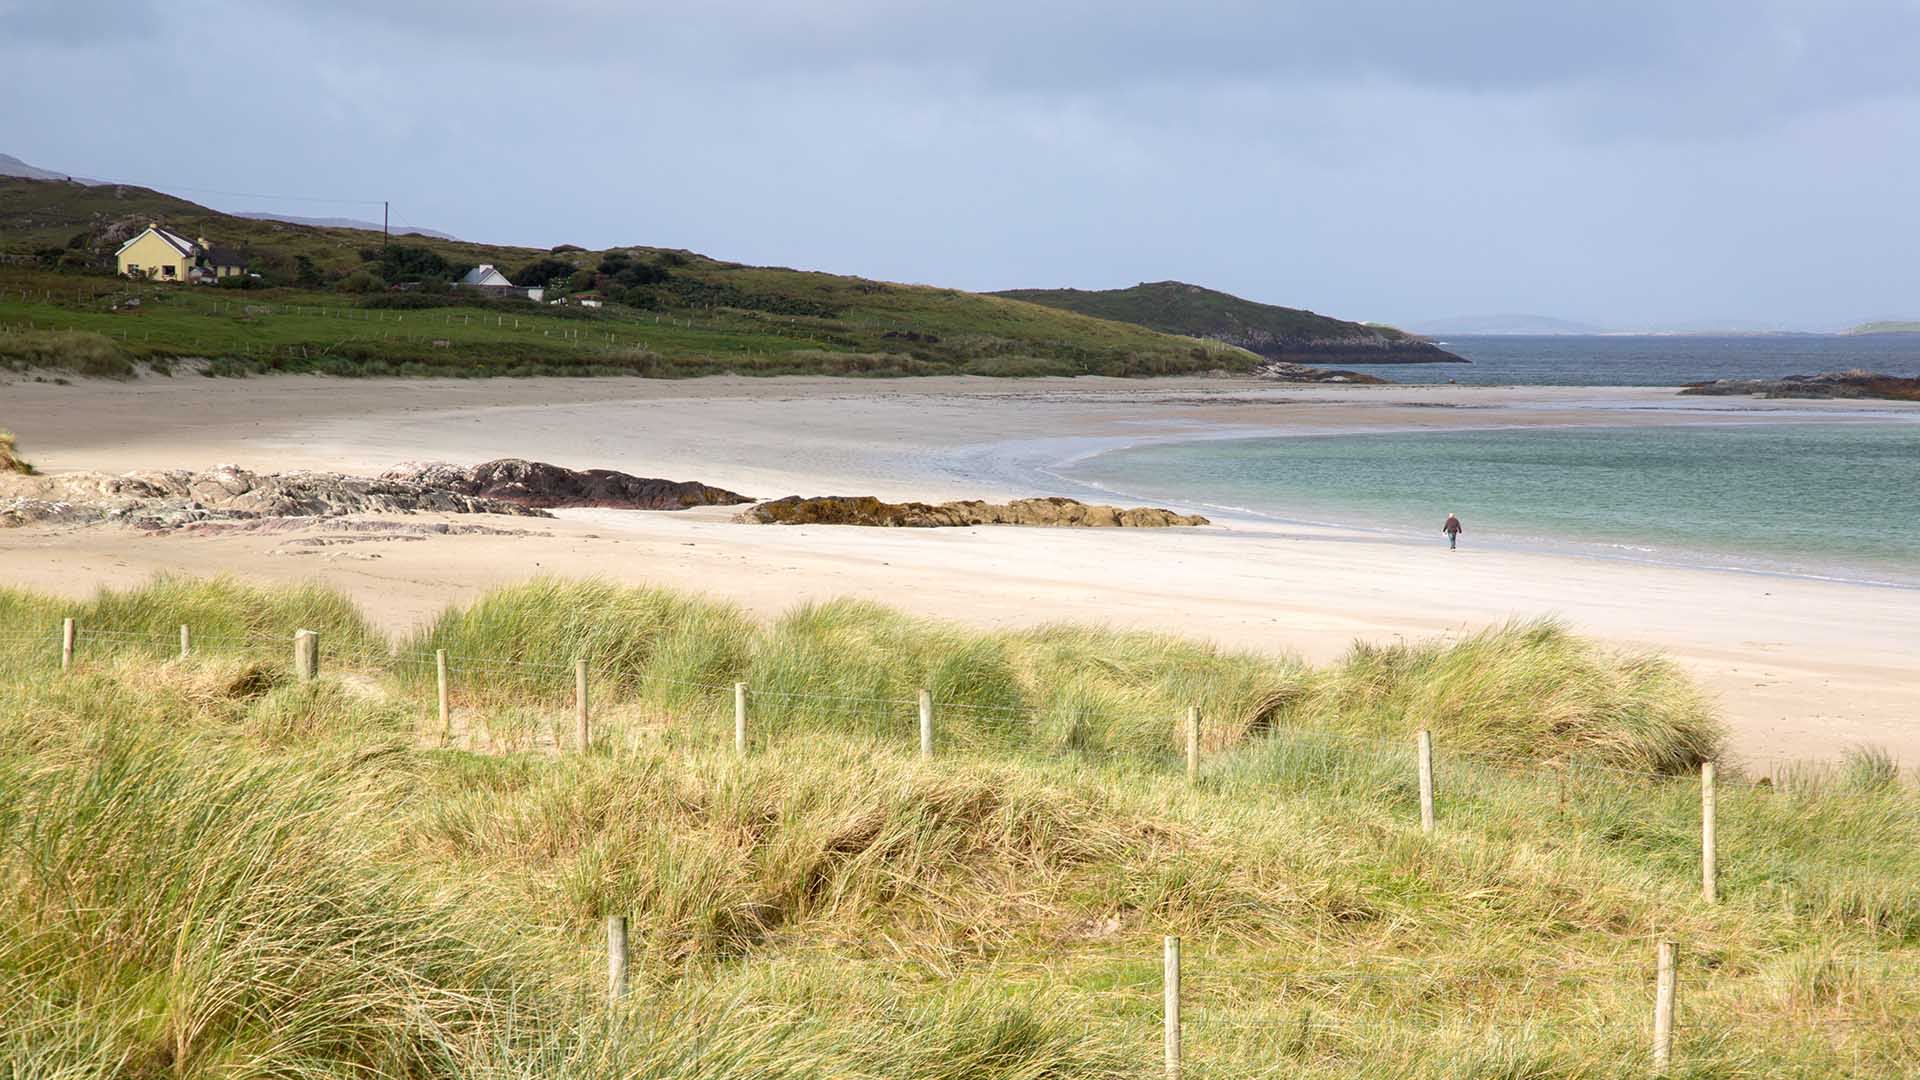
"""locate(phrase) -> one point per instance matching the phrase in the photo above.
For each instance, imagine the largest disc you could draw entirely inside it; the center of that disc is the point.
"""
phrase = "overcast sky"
(1629, 162)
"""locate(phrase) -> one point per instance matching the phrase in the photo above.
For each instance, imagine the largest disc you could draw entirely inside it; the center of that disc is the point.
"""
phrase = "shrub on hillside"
(404, 262)
(360, 281)
(542, 273)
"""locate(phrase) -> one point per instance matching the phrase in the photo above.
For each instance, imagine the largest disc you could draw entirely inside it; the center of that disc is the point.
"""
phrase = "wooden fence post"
(1425, 742)
(581, 735)
(740, 718)
(1663, 993)
(1709, 855)
(926, 724)
(1170, 983)
(1193, 744)
(186, 641)
(616, 957)
(440, 678)
(66, 644)
(306, 655)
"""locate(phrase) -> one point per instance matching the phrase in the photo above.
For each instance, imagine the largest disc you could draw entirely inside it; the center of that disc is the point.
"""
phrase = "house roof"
(184, 247)
(485, 274)
(225, 256)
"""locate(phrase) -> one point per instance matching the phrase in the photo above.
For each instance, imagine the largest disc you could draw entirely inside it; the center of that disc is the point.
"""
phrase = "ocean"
(1835, 500)
(1818, 500)
(1655, 360)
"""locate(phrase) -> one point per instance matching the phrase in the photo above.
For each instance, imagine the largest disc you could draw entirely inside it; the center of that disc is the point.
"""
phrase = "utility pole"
(385, 241)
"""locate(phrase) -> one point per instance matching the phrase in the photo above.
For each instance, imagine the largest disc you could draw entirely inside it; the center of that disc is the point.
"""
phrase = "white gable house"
(485, 276)
(490, 280)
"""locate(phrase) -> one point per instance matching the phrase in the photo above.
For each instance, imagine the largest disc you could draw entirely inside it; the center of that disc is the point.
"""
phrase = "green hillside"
(325, 304)
(212, 870)
(1176, 307)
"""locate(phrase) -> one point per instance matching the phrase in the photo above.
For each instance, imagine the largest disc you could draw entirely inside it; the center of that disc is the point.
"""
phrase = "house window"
(133, 268)
(166, 271)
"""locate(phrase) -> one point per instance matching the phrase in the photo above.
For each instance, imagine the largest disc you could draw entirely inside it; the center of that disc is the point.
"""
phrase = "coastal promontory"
(1278, 333)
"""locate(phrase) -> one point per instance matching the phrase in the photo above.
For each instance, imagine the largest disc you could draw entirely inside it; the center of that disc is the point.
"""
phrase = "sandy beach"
(1803, 668)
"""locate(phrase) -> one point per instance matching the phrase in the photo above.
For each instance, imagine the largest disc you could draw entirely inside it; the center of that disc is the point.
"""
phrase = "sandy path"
(1803, 668)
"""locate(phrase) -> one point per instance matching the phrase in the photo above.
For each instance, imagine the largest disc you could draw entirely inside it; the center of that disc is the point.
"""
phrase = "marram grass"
(212, 871)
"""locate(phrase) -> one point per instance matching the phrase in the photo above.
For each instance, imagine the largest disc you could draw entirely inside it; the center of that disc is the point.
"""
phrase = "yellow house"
(160, 255)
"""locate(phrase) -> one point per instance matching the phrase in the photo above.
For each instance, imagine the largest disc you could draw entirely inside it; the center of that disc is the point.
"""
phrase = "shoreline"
(1656, 553)
(1803, 668)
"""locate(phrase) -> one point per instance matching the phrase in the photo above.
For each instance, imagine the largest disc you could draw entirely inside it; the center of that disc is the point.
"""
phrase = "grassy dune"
(211, 870)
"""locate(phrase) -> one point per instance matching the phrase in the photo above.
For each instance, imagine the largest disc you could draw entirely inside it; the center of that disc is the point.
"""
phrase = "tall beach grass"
(212, 870)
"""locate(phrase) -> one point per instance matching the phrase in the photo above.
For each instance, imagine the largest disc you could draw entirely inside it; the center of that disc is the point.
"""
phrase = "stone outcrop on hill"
(867, 510)
(1830, 384)
(538, 484)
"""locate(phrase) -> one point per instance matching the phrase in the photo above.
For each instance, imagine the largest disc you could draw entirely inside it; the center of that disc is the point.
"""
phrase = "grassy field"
(81, 324)
(211, 870)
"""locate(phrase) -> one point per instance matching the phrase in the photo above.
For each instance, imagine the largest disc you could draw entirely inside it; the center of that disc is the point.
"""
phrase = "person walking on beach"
(1452, 529)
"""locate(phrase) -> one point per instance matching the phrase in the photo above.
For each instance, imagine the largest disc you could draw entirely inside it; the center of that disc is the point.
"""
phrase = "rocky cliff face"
(867, 510)
(1360, 349)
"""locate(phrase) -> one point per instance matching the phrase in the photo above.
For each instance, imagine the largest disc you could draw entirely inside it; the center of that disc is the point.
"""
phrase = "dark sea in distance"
(1802, 498)
(1655, 360)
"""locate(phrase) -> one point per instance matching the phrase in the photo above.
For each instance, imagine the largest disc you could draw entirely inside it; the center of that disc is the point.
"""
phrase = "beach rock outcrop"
(867, 510)
(1828, 384)
(542, 486)
(1287, 371)
(171, 499)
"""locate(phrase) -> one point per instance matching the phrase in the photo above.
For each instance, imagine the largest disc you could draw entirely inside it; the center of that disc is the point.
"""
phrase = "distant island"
(1888, 326)
(1514, 324)
(1278, 333)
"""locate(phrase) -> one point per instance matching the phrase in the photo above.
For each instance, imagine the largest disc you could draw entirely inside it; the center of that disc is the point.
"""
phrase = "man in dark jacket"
(1452, 529)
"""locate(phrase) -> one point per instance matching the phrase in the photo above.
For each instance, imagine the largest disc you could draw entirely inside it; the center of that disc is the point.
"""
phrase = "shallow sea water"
(1830, 500)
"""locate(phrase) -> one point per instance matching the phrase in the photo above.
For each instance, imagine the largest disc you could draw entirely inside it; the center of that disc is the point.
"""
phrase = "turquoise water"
(1827, 500)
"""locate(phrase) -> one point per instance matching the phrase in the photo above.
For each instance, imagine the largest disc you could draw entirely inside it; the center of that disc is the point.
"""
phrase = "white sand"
(1803, 668)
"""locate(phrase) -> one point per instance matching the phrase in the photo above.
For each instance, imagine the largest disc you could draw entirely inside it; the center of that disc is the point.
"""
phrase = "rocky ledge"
(1286, 371)
(174, 499)
(542, 486)
(1370, 348)
(1829, 384)
(867, 510)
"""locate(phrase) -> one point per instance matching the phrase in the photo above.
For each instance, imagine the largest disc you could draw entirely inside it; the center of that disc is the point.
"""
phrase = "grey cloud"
(1710, 59)
(1635, 160)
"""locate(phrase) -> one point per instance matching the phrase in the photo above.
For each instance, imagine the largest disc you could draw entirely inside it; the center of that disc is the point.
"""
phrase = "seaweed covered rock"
(1827, 384)
(867, 510)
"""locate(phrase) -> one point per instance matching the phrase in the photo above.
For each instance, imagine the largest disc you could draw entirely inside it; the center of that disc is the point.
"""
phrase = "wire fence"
(483, 674)
(1212, 996)
(1209, 997)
